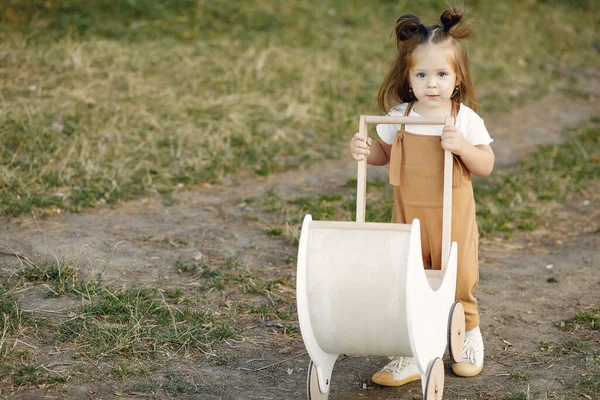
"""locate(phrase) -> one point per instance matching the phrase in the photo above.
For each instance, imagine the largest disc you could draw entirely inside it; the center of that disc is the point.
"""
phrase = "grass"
(60, 278)
(591, 385)
(521, 198)
(17, 328)
(178, 385)
(520, 376)
(518, 198)
(30, 374)
(13, 322)
(271, 312)
(580, 326)
(132, 331)
(108, 100)
(589, 318)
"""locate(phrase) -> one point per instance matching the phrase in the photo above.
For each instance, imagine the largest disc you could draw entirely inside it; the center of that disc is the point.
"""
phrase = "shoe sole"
(466, 370)
(392, 382)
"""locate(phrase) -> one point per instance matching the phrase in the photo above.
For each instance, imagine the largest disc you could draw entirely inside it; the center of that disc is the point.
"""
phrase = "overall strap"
(455, 109)
(409, 108)
(396, 152)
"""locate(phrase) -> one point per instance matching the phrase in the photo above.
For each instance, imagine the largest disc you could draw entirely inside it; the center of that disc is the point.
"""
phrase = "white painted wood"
(428, 309)
(362, 289)
(371, 226)
(323, 361)
(343, 274)
(350, 302)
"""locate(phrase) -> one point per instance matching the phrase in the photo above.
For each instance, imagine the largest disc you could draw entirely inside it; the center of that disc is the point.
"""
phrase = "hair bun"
(409, 25)
(451, 22)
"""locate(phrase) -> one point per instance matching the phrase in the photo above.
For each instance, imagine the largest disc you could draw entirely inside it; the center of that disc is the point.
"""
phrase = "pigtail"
(452, 24)
(454, 28)
(407, 26)
(409, 32)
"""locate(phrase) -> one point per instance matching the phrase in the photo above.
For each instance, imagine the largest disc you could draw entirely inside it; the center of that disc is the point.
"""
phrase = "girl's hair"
(410, 33)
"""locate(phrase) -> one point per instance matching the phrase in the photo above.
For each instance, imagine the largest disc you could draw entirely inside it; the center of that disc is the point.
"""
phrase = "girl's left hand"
(453, 140)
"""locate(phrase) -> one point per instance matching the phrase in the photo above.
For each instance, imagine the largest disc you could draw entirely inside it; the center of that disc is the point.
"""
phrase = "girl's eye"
(420, 75)
(442, 74)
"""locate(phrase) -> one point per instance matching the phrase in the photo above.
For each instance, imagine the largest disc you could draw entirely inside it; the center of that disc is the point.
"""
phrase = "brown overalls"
(417, 176)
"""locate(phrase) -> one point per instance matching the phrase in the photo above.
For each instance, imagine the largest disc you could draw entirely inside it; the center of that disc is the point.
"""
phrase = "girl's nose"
(432, 83)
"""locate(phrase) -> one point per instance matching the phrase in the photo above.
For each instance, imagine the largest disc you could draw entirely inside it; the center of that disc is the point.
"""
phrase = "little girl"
(431, 78)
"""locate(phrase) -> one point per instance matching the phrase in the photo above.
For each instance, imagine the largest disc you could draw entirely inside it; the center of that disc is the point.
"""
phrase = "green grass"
(137, 323)
(129, 332)
(108, 100)
(521, 198)
(245, 281)
(23, 374)
(271, 312)
(589, 318)
(18, 363)
(13, 321)
(591, 385)
(177, 384)
(126, 369)
(575, 347)
(518, 198)
(584, 347)
(60, 278)
(520, 376)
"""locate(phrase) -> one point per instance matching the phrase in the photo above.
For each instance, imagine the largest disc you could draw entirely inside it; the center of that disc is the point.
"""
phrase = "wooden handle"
(447, 205)
(361, 182)
(386, 119)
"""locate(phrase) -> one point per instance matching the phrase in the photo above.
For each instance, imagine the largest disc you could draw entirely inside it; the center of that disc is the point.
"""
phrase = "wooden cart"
(352, 303)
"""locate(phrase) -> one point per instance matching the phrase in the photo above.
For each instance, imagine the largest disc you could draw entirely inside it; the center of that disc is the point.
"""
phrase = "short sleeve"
(475, 131)
(387, 132)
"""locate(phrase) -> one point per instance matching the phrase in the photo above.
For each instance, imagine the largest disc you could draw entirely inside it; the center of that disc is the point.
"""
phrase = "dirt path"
(522, 298)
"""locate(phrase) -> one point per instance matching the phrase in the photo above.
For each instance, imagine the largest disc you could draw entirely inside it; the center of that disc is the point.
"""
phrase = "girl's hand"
(453, 140)
(360, 146)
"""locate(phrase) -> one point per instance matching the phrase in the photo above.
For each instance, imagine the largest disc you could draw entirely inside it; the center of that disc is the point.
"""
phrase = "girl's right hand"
(360, 146)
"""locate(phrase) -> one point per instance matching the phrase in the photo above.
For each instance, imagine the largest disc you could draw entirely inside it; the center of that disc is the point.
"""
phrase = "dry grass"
(103, 108)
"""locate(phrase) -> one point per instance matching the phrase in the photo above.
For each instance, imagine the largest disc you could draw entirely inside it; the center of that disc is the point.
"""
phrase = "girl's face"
(433, 79)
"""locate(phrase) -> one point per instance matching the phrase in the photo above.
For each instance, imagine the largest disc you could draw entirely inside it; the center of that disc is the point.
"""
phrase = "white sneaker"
(398, 372)
(471, 362)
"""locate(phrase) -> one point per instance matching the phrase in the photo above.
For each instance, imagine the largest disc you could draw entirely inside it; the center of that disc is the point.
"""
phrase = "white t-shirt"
(467, 121)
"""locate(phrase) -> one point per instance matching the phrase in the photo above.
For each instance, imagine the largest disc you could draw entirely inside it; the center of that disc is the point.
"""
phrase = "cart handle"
(361, 189)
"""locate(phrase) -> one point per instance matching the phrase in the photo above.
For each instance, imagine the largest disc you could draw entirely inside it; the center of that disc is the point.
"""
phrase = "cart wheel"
(456, 331)
(313, 390)
(434, 389)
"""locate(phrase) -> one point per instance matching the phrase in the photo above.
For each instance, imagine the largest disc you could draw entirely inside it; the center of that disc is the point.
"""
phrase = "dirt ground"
(528, 283)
